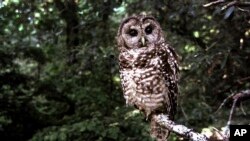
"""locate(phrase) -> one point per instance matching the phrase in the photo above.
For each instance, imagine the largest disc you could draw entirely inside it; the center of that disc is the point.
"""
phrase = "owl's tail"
(158, 132)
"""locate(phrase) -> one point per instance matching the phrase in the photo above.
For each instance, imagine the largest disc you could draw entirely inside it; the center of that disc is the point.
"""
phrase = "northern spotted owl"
(148, 70)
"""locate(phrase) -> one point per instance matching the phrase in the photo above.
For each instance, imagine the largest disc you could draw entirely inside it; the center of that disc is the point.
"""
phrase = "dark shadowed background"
(59, 78)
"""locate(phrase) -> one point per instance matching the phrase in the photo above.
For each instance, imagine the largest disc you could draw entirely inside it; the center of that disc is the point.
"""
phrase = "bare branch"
(232, 3)
(237, 3)
(224, 102)
(188, 133)
(241, 96)
(213, 3)
(181, 130)
(237, 97)
(231, 112)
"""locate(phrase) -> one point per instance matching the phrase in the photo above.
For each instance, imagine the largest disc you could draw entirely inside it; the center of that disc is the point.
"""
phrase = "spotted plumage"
(148, 70)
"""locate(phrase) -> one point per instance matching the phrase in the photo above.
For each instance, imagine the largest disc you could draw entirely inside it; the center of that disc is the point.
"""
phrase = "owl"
(148, 70)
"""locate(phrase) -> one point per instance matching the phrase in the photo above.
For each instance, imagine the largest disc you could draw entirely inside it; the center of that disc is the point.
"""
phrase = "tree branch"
(181, 130)
(188, 133)
(238, 97)
(228, 4)
(213, 3)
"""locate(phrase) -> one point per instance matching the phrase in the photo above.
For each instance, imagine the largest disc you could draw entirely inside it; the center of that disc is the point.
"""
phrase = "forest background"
(59, 78)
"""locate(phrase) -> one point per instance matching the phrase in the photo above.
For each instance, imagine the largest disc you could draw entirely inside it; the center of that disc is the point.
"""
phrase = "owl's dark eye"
(132, 32)
(149, 29)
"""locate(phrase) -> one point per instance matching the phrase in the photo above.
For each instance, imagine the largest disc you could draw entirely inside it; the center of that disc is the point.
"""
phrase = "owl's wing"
(170, 72)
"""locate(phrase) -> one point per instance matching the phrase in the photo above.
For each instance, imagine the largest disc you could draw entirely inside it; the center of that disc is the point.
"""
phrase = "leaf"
(113, 132)
(229, 12)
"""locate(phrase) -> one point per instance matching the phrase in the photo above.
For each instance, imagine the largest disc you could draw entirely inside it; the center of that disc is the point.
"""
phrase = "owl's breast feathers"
(149, 79)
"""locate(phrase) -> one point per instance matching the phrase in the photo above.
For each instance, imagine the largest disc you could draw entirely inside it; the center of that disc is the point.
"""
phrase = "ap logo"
(239, 132)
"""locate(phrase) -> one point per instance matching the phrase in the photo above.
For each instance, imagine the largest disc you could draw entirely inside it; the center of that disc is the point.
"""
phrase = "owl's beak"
(143, 41)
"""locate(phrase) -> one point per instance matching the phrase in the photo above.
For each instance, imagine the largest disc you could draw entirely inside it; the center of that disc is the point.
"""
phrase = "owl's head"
(139, 31)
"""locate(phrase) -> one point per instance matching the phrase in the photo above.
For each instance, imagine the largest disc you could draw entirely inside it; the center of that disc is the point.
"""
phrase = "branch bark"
(213, 3)
(181, 130)
(188, 133)
(228, 4)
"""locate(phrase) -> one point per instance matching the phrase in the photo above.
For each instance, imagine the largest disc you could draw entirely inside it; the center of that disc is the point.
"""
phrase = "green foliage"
(44, 96)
